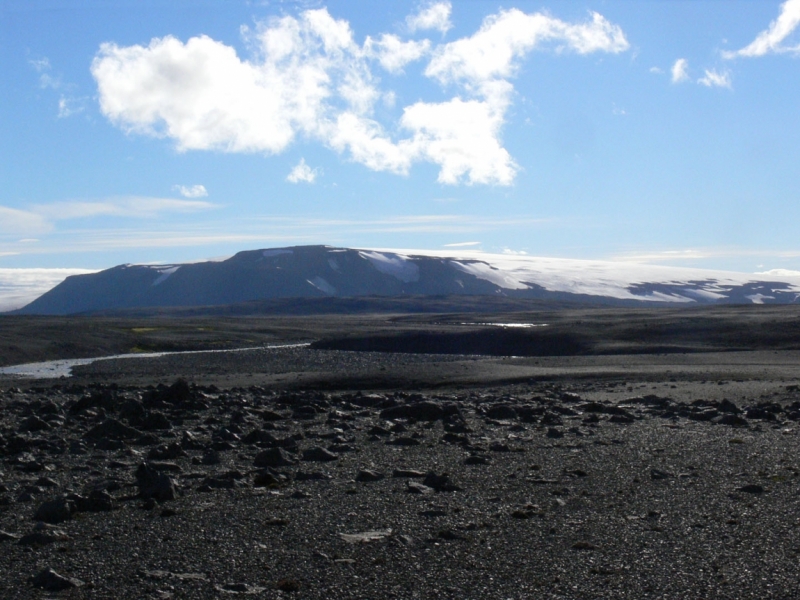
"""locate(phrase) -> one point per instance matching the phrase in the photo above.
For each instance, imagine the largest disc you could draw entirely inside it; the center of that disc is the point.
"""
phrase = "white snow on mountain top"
(393, 264)
(606, 278)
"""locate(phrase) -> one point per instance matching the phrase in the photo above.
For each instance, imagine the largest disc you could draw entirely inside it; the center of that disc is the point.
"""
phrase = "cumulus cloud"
(393, 53)
(680, 70)
(492, 52)
(302, 173)
(771, 40)
(191, 191)
(714, 78)
(308, 77)
(434, 16)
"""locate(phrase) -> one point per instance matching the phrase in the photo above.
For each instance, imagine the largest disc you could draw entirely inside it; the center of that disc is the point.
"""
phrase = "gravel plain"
(302, 473)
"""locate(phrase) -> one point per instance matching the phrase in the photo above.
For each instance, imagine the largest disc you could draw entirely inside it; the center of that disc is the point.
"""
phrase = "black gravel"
(583, 489)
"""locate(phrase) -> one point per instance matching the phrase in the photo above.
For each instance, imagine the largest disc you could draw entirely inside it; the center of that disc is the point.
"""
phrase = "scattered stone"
(273, 457)
(9, 537)
(317, 454)
(365, 537)
(752, 489)
(155, 484)
(55, 511)
(366, 476)
(440, 483)
(51, 581)
(418, 488)
(411, 473)
(111, 429)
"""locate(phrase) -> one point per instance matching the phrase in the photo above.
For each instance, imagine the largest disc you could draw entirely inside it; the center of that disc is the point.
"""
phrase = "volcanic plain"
(535, 452)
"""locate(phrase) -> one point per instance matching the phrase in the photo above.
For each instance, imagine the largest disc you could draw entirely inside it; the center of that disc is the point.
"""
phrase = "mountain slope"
(323, 271)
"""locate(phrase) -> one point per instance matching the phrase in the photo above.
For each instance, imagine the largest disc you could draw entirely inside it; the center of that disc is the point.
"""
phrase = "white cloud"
(771, 40)
(779, 273)
(191, 191)
(131, 207)
(393, 53)
(435, 16)
(656, 70)
(309, 78)
(490, 53)
(680, 70)
(463, 138)
(714, 78)
(19, 287)
(302, 172)
(68, 106)
(22, 222)
(462, 245)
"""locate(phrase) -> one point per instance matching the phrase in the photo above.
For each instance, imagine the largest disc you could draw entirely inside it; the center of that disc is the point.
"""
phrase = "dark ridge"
(494, 342)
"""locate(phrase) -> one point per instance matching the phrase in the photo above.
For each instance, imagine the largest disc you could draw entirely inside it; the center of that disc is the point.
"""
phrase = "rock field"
(548, 488)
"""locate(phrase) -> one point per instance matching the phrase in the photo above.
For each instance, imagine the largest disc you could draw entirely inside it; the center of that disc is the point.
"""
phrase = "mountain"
(324, 271)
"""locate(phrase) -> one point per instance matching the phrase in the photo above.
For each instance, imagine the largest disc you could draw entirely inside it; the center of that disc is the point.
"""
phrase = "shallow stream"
(54, 369)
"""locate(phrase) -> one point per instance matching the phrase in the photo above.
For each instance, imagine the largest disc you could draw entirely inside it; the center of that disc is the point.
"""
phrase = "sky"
(663, 132)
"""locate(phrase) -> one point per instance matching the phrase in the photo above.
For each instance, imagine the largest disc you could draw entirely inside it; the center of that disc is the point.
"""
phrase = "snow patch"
(333, 264)
(485, 271)
(759, 298)
(322, 285)
(164, 274)
(401, 267)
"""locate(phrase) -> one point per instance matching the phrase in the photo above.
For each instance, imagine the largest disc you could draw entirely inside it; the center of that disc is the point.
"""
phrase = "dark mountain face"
(323, 271)
(298, 272)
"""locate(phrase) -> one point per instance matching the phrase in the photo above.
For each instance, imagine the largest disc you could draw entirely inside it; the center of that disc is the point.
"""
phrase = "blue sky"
(663, 132)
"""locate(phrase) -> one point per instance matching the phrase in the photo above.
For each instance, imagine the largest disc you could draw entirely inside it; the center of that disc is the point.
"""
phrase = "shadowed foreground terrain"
(656, 457)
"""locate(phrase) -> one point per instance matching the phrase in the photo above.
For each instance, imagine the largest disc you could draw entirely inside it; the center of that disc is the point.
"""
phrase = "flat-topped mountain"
(324, 271)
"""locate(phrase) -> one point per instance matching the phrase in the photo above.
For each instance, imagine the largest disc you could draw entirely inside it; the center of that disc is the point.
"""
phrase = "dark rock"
(274, 457)
(43, 535)
(657, 474)
(404, 441)
(752, 489)
(97, 501)
(51, 581)
(148, 439)
(554, 433)
(210, 457)
(418, 488)
(55, 511)
(727, 406)
(261, 438)
(155, 484)
(366, 475)
(9, 537)
(440, 483)
(113, 430)
(407, 473)
(270, 415)
(420, 411)
(477, 459)
(265, 479)
(733, 420)
(316, 476)
(501, 411)
(318, 454)
(170, 452)
(155, 421)
(33, 423)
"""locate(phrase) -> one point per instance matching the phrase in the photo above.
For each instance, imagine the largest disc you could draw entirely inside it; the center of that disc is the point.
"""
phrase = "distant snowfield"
(18, 287)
